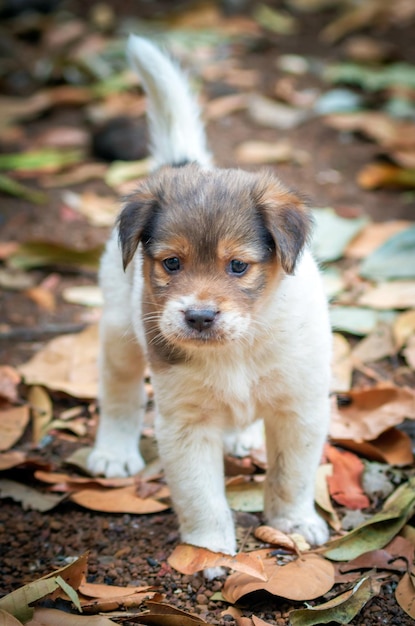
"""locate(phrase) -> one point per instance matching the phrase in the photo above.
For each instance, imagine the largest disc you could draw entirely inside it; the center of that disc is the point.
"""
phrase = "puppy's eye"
(237, 267)
(171, 264)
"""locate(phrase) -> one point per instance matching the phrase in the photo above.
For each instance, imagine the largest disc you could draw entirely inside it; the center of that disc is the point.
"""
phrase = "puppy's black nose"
(200, 319)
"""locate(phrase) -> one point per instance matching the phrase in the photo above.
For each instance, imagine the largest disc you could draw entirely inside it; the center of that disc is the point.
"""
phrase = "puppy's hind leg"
(122, 403)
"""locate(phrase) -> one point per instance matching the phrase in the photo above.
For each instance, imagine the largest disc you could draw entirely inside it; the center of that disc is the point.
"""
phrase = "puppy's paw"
(103, 462)
(312, 527)
(213, 572)
(240, 443)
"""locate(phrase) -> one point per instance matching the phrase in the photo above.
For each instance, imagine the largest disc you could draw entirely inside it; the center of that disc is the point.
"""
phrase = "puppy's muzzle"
(200, 319)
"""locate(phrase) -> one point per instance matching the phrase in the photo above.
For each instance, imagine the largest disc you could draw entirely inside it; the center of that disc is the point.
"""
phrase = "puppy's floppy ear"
(134, 221)
(288, 220)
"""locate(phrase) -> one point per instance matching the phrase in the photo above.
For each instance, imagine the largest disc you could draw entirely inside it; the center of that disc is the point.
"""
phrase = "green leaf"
(393, 260)
(356, 320)
(17, 602)
(47, 159)
(341, 609)
(372, 79)
(70, 592)
(377, 531)
(14, 188)
(42, 254)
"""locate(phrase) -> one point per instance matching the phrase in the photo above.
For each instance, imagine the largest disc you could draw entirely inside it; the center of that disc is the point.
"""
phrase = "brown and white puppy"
(208, 276)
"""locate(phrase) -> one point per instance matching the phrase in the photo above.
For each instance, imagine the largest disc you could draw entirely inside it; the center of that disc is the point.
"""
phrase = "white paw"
(312, 527)
(213, 572)
(103, 462)
(240, 443)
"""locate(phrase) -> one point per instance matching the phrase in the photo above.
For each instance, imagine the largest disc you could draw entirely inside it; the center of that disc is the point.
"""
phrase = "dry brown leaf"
(225, 105)
(385, 130)
(258, 152)
(53, 478)
(342, 365)
(372, 411)
(373, 236)
(53, 617)
(161, 614)
(377, 345)
(13, 422)
(97, 209)
(42, 412)
(189, 559)
(44, 298)
(403, 328)
(308, 577)
(397, 294)
(9, 382)
(28, 497)
(405, 592)
(117, 500)
(11, 459)
(271, 535)
(322, 495)
(102, 591)
(345, 482)
(409, 353)
(393, 446)
(385, 175)
(67, 363)
(111, 597)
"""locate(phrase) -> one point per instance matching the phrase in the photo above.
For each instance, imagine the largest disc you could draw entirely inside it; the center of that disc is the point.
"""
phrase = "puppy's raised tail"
(176, 133)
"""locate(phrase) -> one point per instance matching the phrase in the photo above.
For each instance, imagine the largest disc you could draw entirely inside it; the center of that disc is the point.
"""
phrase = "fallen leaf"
(86, 295)
(13, 422)
(82, 173)
(246, 496)
(188, 559)
(340, 609)
(398, 294)
(13, 188)
(345, 482)
(28, 497)
(377, 531)
(258, 152)
(42, 412)
(43, 254)
(6, 619)
(405, 592)
(371, 411)
(121, 171)
(118, 500)
(342, 365)
(393, 557)
(409, 353)
(225, 105)
(53, 617)
(272, 114)
(43, 160)
(11, 459)
(268, 534)
(403, 328)
(308, 577)
(161, 614)
(358, 320)
(377, 345)
(333, 233)
(394, 260)
(372, 237)
(99, 210)
(9, 382)
(322, 495)
(393, 446)
(67, 363)
(277, 21)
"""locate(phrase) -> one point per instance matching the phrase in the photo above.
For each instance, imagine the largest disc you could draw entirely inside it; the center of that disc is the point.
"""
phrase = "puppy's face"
(215, 243)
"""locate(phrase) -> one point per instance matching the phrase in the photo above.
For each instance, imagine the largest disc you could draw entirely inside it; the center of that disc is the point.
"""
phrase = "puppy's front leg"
(122, 404)
(294, 448)
(192, 454)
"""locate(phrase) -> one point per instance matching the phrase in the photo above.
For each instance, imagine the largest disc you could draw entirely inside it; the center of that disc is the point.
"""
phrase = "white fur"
(278, 373)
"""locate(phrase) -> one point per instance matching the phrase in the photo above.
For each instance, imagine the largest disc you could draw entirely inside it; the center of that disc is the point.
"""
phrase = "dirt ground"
(128, 549)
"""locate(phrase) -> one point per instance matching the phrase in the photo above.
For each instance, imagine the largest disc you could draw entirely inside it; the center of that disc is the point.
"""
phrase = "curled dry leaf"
(322, 495)
(267, 534)
(308, 577)
(53, 617)
(345, 483)
(189, 559)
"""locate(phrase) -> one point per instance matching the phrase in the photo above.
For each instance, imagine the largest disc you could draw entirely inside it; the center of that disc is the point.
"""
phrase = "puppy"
(208, 276)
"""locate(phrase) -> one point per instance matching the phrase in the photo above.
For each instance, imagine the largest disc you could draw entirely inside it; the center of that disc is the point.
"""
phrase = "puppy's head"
(215, 245)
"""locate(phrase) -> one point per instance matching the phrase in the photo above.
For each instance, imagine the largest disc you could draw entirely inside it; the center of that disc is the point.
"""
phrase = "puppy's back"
(176, 132)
